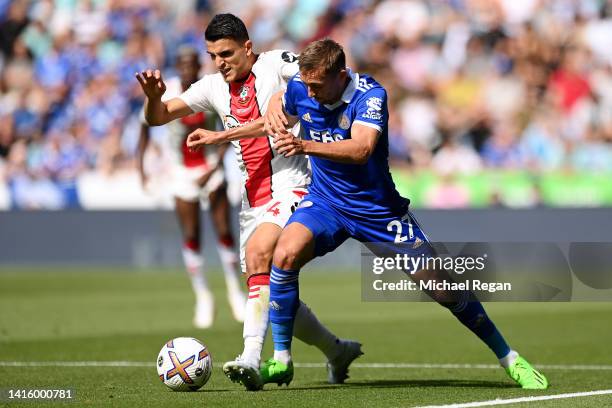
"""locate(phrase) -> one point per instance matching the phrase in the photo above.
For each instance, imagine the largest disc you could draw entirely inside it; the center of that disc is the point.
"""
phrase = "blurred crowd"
(473, 84)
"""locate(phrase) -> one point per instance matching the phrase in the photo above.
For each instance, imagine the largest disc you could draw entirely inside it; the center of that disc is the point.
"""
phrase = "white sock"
(256, 318)
(311, 331)
(229, 262)
(194, 263)
(284, 356)
(508, 359)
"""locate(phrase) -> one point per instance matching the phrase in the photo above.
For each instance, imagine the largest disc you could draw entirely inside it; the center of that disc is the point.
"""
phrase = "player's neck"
(252, 60)
(342, 89)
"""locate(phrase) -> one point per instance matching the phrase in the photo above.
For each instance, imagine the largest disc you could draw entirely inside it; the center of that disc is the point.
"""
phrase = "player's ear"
(248, 46)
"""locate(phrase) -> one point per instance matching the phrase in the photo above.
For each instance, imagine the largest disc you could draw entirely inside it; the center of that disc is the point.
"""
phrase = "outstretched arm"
(158, 112)
(202, 137)
(356, 150)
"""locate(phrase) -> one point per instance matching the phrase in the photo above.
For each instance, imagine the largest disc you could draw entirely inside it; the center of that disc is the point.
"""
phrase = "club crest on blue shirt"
(343, 121)
(306, 117)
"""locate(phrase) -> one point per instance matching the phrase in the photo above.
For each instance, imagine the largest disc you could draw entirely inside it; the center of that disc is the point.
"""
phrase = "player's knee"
(258, 260)
(286, 257)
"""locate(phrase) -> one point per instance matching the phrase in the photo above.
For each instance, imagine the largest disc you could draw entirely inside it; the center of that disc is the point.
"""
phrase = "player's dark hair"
(226, 26)
(326, 55)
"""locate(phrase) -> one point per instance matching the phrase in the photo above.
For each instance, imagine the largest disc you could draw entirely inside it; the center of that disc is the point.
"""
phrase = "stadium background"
(493, 103)
(501, 110)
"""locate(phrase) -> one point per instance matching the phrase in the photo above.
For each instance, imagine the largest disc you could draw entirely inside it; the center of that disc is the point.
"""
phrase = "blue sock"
(474, 317)
(284, 302)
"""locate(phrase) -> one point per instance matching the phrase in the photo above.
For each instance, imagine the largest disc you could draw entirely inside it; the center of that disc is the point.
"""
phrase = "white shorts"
(184, 184)
(276, 211)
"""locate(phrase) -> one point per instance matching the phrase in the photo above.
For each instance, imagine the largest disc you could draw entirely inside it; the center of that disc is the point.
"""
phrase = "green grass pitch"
(127, 315)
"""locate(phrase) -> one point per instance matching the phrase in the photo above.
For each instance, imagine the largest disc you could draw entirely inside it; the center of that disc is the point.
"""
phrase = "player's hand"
(202, 137)
(275, 121)
(288, 145)
(152, 83)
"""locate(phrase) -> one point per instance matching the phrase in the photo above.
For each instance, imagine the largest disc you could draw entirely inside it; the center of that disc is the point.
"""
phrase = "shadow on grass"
(433, 383)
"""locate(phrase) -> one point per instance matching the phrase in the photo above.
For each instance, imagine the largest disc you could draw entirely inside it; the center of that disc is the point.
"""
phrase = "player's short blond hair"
(325, 56)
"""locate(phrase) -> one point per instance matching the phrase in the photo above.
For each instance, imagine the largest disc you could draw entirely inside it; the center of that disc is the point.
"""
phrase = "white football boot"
(337, 368)
(245, 373)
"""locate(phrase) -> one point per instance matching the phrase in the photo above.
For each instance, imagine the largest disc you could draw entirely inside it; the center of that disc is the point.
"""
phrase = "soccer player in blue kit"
(344, 120)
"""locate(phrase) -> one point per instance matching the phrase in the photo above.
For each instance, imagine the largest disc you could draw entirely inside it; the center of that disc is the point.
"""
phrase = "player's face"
(231, 58)
(188, 68)
(326, 89)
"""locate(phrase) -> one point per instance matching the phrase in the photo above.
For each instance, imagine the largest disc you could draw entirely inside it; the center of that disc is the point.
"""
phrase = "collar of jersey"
(348, 93)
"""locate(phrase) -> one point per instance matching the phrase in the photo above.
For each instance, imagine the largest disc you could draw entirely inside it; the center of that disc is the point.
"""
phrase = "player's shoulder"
(209, 83)
(296, 86)
(277, 57)
(370, 92)
(210, 79)
(366, 86)
(173, 88)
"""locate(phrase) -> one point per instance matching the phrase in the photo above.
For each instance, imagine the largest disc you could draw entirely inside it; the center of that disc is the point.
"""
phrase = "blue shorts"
(390, 233)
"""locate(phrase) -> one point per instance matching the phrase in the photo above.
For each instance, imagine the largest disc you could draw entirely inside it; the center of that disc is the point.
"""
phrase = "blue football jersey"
(361, 190)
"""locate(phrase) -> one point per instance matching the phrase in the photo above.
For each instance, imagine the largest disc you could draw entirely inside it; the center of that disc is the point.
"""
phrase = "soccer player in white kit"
(273, 185)
(195, 177)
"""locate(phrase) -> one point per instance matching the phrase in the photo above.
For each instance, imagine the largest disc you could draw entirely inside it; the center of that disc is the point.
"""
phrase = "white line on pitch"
(578, 367)
(522, 399)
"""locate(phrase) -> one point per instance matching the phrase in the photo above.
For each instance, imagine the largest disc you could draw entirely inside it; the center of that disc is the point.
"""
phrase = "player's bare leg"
(188, 214)
(220, 215)
(259, 250)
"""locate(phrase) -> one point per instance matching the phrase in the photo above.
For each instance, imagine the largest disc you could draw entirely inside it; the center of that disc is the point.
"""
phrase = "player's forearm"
(344, 151)
(156, 112)
(250, 130)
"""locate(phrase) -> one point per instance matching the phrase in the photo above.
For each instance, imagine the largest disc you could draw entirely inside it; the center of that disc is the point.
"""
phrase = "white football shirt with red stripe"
(265, 174)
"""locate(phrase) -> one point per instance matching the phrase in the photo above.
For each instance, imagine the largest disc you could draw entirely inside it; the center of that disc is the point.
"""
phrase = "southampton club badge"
(244, 94)
(343, 121)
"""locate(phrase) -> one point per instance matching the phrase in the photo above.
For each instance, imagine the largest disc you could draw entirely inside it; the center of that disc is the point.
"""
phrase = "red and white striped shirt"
(264, 173)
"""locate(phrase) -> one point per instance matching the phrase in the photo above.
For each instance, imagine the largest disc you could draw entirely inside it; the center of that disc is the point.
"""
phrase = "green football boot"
(526, 376)
(273, 371)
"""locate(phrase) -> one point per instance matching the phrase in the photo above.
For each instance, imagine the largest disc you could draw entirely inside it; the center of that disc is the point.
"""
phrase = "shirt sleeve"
(289, 97)
(199, 95)
(288, 65)
(372, 110)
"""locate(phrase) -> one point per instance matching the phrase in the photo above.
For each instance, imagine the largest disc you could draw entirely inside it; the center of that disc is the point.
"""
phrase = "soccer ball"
(184, 364)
